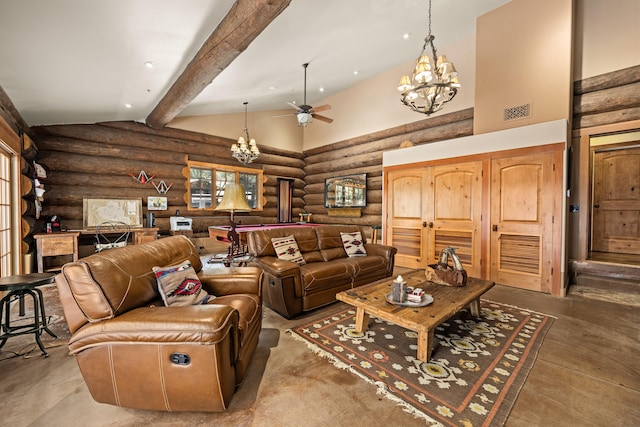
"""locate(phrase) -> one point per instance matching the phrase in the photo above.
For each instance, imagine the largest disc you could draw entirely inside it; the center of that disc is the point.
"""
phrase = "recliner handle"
(180, 358)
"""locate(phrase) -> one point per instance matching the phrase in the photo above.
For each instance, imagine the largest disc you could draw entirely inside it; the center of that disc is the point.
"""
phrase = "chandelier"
(434, 80)
(246, 150)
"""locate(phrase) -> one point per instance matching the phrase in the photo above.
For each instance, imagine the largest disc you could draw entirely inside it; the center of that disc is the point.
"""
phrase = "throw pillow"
(287, 249)
(353, 244)
(179, 285)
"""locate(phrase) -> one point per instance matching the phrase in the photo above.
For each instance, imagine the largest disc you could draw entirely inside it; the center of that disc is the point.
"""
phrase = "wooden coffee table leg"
(425, 342)
(362, 320)
(475, 307)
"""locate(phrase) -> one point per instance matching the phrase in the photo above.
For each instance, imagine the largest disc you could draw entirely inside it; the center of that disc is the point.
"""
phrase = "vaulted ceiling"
(85, 61)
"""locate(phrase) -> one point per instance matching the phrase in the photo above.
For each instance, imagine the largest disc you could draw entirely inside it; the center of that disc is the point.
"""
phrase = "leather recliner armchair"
(133, 351)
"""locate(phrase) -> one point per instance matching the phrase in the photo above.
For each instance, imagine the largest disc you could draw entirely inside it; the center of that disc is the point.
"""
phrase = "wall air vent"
(517, 112)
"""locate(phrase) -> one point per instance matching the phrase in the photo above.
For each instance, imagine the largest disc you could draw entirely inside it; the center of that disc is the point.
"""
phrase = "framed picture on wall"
(346, 191)
(97, 211)
(155, 203)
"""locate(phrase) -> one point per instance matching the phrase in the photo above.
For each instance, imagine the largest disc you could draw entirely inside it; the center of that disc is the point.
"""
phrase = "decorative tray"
(428, 299)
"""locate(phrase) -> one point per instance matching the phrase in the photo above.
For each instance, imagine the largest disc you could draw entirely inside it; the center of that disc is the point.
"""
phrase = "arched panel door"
(523, 212)
(407, 195)
(455, 217)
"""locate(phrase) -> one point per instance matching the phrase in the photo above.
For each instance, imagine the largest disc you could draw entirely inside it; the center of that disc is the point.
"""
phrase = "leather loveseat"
(134, 351)
(290, 288)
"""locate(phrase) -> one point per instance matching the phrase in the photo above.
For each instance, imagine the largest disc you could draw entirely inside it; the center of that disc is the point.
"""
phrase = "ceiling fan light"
(304, 119)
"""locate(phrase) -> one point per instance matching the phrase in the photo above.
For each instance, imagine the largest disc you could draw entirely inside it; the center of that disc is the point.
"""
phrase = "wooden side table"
(54, 244)
(144, 235)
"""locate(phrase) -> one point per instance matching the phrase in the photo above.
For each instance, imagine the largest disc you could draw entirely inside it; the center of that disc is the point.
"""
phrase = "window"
(7, 238)
(207, 181)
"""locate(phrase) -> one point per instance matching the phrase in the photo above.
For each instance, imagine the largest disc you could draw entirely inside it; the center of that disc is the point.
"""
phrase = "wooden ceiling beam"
(244, 22)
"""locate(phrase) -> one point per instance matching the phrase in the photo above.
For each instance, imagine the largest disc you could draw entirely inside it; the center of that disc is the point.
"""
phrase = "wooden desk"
(55, 244)
(139, 235)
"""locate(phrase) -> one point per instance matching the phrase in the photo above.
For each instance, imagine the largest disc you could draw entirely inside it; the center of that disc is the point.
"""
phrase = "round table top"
(25, 281)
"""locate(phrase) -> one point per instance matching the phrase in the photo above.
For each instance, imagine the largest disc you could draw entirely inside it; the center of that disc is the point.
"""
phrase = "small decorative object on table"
(443, 273)
(399, 289)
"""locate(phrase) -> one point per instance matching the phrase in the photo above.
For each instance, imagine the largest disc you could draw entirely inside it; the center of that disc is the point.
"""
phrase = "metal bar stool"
(17, 288)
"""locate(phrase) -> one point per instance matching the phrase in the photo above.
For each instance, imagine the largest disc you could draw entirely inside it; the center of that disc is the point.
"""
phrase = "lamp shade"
(233, 199)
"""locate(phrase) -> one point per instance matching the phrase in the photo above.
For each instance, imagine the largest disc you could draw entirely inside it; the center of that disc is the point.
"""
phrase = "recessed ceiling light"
(272, 88)
(127, 105)
(355, 72)
(321, 89)
(406, 35)
(148, 64)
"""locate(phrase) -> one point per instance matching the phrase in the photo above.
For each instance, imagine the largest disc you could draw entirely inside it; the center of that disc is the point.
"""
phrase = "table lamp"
(233, 200)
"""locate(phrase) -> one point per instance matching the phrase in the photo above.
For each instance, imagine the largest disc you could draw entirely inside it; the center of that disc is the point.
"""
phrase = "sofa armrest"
(231, 280)
(207, 324)
(277, 267)
(380, 250)
(388, 252)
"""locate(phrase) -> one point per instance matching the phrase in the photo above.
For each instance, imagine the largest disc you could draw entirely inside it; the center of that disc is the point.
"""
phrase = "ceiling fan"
(306, 113)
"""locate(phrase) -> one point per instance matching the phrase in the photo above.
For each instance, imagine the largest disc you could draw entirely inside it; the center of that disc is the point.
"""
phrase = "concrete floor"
(586, 374)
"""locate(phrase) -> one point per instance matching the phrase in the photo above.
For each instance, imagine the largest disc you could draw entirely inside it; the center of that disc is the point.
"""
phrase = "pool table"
(219, 232)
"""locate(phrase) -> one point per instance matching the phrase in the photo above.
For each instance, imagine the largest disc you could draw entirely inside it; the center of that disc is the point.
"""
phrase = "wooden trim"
(481, 156)
(607, 129)
(10, 137)
(558, 286)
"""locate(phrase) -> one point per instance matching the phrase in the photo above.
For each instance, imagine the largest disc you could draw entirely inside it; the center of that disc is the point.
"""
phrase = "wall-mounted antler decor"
(142, 177)
(162, 187)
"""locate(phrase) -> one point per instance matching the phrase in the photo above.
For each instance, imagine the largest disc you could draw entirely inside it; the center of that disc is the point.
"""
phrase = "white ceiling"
(81, 61)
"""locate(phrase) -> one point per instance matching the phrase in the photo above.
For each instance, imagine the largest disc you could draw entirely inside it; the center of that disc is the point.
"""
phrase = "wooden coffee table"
(447, 301)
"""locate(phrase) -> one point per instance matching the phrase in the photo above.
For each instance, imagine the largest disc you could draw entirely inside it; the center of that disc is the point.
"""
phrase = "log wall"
(97, 160)
(363, 154)
(607, 99)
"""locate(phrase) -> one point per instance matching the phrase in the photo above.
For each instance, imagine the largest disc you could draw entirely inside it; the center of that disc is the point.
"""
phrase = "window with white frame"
(6, 254)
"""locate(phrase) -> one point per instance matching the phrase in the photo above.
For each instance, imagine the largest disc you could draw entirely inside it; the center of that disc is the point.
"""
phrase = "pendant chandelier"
(245, 150)
(434, 80)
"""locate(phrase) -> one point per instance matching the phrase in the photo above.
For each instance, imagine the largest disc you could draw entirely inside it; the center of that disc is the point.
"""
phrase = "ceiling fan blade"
(322, 118)
(321, 108)
(294, 106)
(282, 115)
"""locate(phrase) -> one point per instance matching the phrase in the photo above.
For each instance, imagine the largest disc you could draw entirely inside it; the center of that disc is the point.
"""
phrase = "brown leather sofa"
(133, 351)
(290, 289)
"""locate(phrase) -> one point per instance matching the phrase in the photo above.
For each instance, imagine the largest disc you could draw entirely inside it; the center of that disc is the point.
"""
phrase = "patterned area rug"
(475, 373)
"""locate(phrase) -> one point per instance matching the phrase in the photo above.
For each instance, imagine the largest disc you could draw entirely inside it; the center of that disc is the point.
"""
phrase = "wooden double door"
(502, 214)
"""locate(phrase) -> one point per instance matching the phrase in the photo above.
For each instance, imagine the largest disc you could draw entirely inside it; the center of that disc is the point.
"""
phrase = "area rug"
(475, 373)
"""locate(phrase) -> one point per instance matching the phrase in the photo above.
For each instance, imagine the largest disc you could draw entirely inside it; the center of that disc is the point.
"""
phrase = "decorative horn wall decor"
(162, 187)
(142, 177)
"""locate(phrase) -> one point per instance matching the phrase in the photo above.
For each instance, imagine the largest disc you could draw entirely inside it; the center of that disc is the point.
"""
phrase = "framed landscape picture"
(155, 203)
